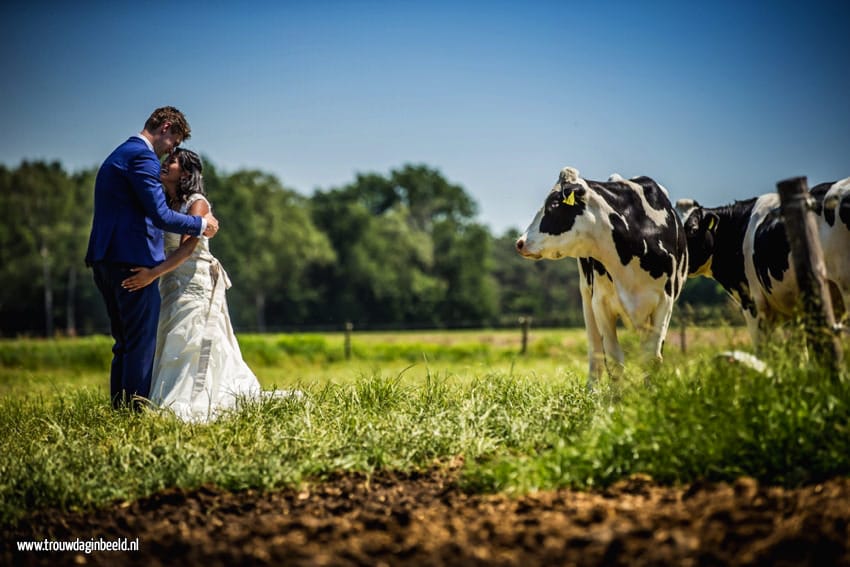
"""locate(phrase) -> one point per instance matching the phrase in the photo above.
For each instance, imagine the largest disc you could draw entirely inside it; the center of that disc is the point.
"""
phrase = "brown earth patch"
(426, 519)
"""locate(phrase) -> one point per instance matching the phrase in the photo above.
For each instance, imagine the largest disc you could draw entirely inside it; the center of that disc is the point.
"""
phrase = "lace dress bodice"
(172, 241)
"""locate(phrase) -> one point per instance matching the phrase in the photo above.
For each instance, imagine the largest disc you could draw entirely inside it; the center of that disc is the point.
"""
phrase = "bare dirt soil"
(426, 519)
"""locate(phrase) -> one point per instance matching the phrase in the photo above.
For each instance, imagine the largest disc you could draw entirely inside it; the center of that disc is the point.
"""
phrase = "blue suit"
(130, 213)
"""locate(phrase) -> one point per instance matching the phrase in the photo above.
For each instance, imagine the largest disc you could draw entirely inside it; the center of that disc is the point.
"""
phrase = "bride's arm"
(144, 276)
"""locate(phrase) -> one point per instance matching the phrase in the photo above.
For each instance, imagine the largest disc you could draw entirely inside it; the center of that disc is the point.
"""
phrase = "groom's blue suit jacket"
(130, 211)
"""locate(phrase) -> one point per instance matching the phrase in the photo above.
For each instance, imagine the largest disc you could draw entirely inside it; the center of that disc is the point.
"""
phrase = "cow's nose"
(520, 243)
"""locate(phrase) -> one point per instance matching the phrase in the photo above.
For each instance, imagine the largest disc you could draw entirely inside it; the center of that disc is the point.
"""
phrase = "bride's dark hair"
(191, 165)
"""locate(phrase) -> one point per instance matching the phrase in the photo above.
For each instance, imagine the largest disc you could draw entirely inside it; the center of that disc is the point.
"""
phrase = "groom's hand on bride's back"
(212, 225)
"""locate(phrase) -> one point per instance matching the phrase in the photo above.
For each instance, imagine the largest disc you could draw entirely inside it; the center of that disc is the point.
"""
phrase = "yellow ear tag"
(711, 222)
(570, 199)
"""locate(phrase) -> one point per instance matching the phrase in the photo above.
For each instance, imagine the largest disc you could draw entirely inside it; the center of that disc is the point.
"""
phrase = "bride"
(198, 370)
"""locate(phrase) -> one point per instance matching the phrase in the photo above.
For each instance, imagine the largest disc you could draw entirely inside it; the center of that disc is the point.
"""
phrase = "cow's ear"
(710, 222)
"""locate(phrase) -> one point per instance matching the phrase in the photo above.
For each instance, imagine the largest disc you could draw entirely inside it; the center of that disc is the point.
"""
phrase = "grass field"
(36, 366)
(407, 400)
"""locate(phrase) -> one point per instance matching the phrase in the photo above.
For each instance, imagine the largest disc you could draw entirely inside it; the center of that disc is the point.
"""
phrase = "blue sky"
(716, 100)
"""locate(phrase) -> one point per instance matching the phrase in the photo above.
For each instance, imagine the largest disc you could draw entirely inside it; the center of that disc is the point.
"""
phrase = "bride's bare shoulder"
(197, 204)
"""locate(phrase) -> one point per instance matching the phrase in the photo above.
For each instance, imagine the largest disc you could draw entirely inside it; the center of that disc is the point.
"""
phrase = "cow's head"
(700, 229)
(551, 233)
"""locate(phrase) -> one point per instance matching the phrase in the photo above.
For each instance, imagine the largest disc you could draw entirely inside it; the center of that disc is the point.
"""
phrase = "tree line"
(400, 250)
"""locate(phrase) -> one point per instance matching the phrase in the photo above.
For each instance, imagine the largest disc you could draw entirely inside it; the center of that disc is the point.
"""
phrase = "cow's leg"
(757, 326)
(595, 354)
(614, 359)
(606, 323)
(653, 335)
(839, 288)
(840, 295)
(844, 312)
(656, 333)
(752, 328)
(650, 317)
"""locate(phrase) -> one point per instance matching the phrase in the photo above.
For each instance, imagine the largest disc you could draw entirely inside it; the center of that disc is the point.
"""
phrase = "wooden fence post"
(809, 267)
(524, 323)
(684, 320)
(349, 326)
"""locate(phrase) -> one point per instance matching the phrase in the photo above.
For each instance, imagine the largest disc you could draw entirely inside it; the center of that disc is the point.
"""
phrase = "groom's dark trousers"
(134, 317)
(130, 214)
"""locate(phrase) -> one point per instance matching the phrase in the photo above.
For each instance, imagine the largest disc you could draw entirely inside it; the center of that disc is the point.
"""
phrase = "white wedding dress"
(198, 368)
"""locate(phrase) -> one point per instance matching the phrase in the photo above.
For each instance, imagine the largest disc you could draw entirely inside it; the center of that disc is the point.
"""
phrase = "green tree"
(430, 197)
(390, 267)
(267, 242)
(11, 254)
(37, 213)
(344, 219)
(83, 304)
(546, 290)
(464, 261)
(383, 268)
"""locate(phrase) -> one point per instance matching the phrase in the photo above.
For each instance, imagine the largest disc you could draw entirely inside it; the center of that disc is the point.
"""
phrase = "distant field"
(47, 367)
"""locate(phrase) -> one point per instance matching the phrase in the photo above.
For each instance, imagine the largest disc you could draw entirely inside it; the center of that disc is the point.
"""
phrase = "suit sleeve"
(144, 175)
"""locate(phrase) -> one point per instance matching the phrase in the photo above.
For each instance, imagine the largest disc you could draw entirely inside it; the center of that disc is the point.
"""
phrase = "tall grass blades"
(708, 420)
(75, 452)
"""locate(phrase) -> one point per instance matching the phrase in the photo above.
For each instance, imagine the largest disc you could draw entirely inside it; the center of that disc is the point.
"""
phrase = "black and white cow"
(834, 231)
(745, 248)
(632, 255)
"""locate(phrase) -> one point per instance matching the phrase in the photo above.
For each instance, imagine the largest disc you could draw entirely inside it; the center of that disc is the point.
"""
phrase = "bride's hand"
(142, 278)
(212, 225)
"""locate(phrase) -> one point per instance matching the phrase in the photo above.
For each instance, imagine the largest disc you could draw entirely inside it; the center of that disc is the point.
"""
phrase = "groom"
(130, 214)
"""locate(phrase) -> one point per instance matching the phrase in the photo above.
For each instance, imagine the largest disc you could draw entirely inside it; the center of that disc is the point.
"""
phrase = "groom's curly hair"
(190, 163)
(179, 124)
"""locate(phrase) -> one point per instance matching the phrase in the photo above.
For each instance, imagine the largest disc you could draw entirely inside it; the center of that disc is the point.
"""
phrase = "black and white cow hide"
(632, 256)
(834, 231)
(745, 248)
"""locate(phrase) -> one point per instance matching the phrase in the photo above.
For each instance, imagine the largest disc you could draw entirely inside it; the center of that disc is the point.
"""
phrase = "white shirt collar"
(146, 141)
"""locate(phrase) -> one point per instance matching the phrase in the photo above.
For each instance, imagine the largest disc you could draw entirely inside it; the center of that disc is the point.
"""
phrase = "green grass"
(406, 401)
(708, 420)
(74, 452)
(60, 366)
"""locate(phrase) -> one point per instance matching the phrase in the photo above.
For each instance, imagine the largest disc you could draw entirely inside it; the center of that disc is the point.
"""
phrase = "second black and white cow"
(745, 248)
(632, 256)
(834, 231)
